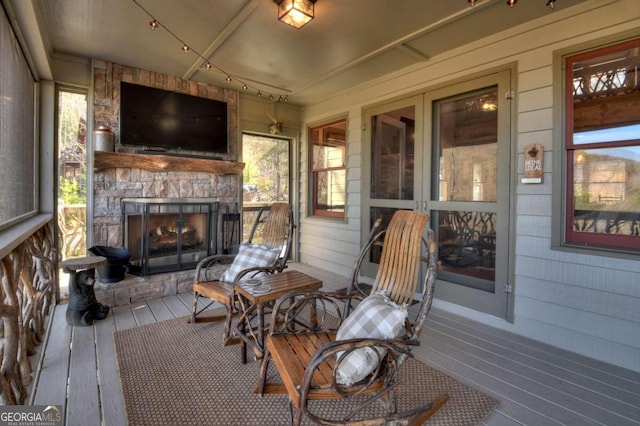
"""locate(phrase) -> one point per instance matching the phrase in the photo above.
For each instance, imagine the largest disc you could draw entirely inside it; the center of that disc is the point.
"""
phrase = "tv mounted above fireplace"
(159, 119)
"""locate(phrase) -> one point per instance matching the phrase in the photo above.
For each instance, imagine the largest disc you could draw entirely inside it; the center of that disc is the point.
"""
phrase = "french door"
(469, 192)
(447, 152)
(392, 170)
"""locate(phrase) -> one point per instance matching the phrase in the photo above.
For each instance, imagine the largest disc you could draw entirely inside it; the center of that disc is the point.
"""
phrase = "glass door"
(266, 176)
(71, 140)
(468, 197)
(392, 175)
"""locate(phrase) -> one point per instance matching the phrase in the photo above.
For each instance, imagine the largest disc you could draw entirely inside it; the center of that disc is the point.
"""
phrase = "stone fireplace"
(126, 174)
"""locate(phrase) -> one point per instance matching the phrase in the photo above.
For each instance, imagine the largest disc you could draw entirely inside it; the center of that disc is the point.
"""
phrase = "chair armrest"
(252, 272)
(210, 261)
(396, 352)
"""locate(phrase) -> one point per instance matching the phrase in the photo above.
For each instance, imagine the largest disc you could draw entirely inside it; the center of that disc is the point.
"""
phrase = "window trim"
(313, 183)
(562, 118)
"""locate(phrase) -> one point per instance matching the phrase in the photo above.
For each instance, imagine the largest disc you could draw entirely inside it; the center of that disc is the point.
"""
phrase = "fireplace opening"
(168, 234)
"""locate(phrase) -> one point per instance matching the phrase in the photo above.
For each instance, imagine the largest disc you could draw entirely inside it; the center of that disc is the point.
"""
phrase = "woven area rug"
(175, 373)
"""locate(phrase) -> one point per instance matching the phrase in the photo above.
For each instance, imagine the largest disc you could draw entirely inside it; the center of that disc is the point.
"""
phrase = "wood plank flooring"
(536, 384)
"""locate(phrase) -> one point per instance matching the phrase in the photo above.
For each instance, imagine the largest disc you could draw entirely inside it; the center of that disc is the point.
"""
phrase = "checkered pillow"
(250, 256)
(375, 317)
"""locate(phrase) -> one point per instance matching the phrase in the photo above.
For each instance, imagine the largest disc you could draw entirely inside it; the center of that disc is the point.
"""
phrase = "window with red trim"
(328, 169)
(602, 94)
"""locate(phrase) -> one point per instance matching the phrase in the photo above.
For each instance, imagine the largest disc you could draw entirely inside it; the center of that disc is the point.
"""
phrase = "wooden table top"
(280, 284)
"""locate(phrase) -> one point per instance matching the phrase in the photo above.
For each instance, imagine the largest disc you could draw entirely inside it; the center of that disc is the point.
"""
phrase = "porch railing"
(607, 222)
(72, 223)
(27, 293)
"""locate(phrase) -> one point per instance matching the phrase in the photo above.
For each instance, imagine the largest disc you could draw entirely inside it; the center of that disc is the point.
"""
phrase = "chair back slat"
(276, 225)
(399, 267)
(273, 228)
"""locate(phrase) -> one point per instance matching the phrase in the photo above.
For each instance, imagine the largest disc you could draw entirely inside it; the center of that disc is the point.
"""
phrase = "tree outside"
(266, 173)
(72, 172)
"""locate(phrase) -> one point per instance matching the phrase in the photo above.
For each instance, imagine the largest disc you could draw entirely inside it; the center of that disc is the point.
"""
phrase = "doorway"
(72, 171)
(266, 176)
(71, 138)
(447, 152)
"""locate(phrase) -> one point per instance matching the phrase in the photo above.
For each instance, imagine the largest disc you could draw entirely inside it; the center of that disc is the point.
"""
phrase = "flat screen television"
(155, 118)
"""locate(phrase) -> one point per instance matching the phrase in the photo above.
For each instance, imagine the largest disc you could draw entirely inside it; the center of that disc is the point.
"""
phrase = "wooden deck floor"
(536, 384)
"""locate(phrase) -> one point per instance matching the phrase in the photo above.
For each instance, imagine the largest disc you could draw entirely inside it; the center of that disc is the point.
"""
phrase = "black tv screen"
(156, 118)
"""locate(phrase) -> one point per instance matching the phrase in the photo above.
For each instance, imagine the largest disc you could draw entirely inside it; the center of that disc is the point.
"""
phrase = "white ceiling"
(348, 42)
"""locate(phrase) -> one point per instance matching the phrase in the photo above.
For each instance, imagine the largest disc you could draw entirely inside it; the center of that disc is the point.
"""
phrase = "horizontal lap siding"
(334, 244)
(588, 304)
(579, 302)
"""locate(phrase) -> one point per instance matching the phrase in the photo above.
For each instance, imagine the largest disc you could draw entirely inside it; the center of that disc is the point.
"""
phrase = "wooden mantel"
(165, 163)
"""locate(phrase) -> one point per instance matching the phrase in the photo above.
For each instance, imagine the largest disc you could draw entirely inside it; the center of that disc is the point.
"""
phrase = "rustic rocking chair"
(311, 349)
(266, 251)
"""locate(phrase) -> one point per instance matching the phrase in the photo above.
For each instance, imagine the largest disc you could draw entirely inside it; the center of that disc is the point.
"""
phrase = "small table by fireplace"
(168, 234)
(253, 303)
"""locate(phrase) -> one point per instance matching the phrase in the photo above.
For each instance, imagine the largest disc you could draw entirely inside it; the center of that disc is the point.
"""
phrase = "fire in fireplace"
(168, 234)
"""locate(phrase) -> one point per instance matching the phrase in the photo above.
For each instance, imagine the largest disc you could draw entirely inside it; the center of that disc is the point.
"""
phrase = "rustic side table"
(83, 307)
(252, 304)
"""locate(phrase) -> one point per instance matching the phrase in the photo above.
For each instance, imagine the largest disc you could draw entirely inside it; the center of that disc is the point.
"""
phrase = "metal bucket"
(104, 139)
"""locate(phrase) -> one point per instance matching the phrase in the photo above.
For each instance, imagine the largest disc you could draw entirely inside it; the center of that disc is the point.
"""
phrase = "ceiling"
(348, 42)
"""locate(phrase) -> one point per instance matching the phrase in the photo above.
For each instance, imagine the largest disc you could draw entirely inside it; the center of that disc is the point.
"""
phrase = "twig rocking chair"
(311, 349)
(273, 230)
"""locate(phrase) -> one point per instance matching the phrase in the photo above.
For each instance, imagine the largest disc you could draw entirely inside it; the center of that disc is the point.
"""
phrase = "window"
(17, 131)
(328, 169)
(602, 142)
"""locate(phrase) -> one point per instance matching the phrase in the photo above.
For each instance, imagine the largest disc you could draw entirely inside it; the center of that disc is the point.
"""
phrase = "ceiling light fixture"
(511, 3)
(296, 13)
(551, 4)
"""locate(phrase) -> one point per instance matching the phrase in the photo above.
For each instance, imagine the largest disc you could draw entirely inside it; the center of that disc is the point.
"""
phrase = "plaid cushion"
(375, 317)
(250, 256)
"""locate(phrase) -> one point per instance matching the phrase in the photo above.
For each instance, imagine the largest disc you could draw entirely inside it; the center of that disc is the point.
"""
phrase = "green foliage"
(267, 167)
(73, 190)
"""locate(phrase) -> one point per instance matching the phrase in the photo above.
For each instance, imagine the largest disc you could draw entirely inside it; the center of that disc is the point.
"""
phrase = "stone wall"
(113, 184)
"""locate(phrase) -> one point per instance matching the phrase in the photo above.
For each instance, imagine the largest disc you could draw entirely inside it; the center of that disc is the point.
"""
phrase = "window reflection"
(467, 148)
(467, 243)
(606, 190)
(603, 150)
(392, 152)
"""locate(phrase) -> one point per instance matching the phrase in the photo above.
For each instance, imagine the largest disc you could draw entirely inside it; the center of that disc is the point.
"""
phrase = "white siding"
(583, 303)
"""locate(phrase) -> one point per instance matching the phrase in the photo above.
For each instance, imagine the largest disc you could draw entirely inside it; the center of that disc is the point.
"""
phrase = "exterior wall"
(326, 243)
(583, 303)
